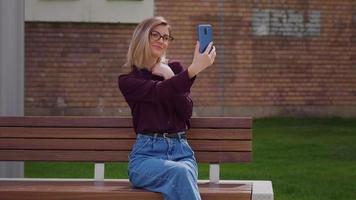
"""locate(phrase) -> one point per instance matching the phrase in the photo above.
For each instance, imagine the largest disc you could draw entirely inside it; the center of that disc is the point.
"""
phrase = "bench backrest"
(110, 139)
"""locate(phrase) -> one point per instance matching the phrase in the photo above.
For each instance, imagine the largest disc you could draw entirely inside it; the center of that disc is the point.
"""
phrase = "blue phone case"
(205, 36)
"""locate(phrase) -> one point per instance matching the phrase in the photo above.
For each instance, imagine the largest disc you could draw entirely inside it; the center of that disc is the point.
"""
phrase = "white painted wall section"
(105, 11)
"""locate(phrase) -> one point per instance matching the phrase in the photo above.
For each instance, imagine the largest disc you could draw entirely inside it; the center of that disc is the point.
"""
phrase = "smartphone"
(205, 36)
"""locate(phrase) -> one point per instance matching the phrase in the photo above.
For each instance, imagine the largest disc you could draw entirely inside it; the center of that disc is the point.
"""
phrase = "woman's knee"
(182, 172)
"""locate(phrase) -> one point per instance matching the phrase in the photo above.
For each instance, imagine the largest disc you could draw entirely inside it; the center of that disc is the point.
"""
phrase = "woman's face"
(159, 39)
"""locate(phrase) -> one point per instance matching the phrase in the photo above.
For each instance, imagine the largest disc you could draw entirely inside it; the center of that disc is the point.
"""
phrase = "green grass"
(306, 159)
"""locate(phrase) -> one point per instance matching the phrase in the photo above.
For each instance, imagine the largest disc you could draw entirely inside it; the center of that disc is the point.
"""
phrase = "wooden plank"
(223, 157)
(219, 134)
(64, 195)
(221, 122)
(112, 156)
(75, 195)
(56, 190)
(115, 144)
(66, 144)
(66, 121)
(221, 145)
(36, 132)
(123, 122)
(114, 133)
(58, 155)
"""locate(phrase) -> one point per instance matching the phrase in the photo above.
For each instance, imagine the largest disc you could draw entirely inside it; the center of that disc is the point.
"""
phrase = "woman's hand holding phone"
(203, 60)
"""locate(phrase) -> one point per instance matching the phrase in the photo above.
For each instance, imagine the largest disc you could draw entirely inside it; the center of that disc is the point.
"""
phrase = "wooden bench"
(109, 139)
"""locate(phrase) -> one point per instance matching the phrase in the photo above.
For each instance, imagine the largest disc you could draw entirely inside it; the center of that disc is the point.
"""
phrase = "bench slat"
(112, 133)
(220, 134)
(37, 132)
(221, 122)
(224, 157)
(75, 190)
(71, 121)
(66, 121)
(115, 144)
(112, 156)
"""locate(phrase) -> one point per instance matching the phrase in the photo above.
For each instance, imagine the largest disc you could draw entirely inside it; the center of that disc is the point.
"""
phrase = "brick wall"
(274, 58)
(72, 68)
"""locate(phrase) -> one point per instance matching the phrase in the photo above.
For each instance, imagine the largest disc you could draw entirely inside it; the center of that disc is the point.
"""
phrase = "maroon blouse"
(158, 105)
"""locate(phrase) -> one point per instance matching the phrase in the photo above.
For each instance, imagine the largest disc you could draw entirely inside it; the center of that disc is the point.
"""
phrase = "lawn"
(306, 159)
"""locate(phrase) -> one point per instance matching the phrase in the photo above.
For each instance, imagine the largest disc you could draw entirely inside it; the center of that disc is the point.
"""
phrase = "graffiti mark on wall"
(285, 22)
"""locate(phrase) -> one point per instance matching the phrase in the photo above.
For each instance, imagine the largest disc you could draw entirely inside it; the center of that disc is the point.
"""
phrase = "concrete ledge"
(261, 190)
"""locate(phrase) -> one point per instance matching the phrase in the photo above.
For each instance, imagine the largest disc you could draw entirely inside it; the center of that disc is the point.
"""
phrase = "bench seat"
(102, 190)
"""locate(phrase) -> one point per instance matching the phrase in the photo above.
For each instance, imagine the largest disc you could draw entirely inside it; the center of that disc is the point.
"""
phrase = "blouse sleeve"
(138, 89)
(183, 104)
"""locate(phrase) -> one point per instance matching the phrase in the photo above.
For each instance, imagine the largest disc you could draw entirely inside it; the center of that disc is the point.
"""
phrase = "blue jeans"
(165, 165)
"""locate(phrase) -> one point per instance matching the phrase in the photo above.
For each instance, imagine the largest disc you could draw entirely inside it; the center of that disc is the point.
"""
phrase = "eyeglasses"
(157, 36)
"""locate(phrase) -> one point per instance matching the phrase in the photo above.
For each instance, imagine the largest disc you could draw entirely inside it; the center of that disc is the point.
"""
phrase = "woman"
(158, 94)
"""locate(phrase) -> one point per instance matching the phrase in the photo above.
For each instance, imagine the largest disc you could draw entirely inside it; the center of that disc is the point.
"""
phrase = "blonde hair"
(139, 49)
